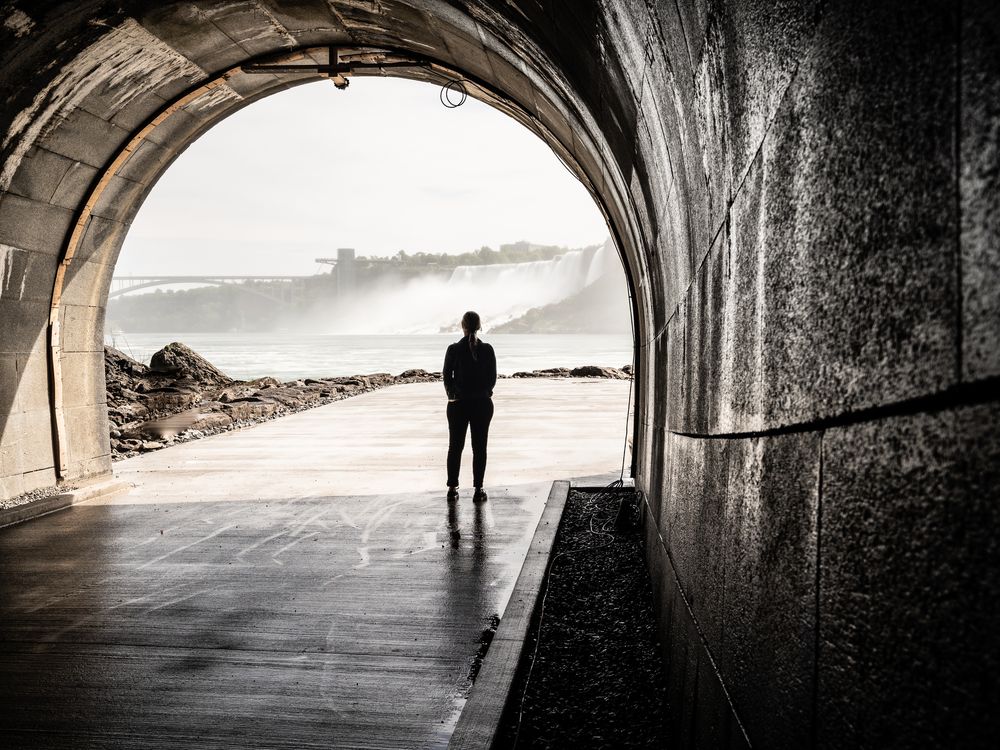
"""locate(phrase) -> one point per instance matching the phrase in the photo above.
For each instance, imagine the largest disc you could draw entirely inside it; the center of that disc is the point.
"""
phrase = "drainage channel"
(575, 661)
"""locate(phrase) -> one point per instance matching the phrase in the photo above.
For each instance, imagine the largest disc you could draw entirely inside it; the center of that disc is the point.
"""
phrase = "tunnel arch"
(805, 195)
(103, 209)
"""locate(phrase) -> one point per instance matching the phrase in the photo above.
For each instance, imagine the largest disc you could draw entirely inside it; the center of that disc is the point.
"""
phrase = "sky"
(380, 167)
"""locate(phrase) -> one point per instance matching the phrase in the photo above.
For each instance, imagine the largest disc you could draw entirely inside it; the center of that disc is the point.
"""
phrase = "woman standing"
(470, 372)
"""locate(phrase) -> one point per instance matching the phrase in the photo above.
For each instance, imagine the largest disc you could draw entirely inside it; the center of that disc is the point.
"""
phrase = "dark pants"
(476, 412)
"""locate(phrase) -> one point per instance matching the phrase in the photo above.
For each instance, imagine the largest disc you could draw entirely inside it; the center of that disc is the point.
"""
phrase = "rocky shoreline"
(181, 396)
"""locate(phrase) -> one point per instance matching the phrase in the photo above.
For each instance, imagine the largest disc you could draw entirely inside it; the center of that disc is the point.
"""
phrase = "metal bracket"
(337, 69)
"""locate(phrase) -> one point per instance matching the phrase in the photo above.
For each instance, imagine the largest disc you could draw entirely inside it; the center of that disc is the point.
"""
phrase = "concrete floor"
(298, 584)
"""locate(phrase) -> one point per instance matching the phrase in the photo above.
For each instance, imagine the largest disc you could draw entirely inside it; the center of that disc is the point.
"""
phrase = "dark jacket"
(466, 376)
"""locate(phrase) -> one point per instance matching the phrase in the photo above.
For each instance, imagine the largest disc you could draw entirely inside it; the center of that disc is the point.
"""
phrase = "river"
(288, 356)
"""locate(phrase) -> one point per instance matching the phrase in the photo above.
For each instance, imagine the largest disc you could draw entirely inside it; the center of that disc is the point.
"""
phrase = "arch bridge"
(122, 285)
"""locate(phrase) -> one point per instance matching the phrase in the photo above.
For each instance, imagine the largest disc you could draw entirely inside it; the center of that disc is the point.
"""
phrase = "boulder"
(593, 371)
(184, 363)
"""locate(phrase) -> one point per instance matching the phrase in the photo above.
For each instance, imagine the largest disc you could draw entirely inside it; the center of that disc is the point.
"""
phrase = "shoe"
(453, 493)
(479, 496)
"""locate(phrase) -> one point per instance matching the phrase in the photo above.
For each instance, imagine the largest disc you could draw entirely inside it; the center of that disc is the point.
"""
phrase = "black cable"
(631, 381)
(453, 85)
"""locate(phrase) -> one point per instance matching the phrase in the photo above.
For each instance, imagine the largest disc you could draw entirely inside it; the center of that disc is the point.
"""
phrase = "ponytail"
(471, 323)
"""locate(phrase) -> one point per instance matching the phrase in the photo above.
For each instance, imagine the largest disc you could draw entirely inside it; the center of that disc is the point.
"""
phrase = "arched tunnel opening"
(805, 199)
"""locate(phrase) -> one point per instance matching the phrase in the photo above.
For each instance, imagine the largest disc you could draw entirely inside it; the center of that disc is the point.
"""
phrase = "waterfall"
(498, 292)
(506, 291)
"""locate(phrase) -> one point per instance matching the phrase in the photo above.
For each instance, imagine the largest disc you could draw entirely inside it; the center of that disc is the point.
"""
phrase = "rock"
(151, 445)
(418, 374)
(182, 362)
(171, 399)
(250, 409)
(264, 383)
(213, 420)
(593, 371)
(235, 393)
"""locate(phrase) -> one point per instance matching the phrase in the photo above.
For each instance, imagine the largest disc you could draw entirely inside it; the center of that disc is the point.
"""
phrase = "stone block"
(139, 110)
(653, 152)
(31, 225)
(82, 328)
(628, 25)
(83, 379)
(101, 243)
(33, 379)
(36, 442)
(146, 163)
(750, 55)
(692, 523)
(91, 468)
(190, 31)
(707, 398)
(979, 186)
(465, 52)
(87, 285)
(714, 128)
(38, 479)
(767, 653)
(691, 19)
(120, 199)
(619, 111)
(677, 247)
(87, 434)
(11, 486)
(9, 380)
(643, 204)
(177, 131)
(309, 21)
(86, 138)
(26, 275)
(24, 323)
(10, 451)
(860, 226)
(910, 580)
(39, 175)
(256, 31)
(511, 79)
(75, 186)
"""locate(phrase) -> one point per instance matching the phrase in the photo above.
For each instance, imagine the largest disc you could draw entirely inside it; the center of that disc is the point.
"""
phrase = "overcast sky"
(381, 167)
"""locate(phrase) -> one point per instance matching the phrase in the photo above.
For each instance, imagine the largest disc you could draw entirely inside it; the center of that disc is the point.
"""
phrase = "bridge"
(122, 285)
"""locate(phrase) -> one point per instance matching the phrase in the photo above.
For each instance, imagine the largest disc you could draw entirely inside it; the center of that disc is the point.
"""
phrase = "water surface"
(294, 355)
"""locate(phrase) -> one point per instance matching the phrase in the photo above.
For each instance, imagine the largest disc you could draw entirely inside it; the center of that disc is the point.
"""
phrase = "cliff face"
(601, 307)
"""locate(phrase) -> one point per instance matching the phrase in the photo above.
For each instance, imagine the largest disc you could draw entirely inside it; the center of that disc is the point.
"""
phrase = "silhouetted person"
(470, 372)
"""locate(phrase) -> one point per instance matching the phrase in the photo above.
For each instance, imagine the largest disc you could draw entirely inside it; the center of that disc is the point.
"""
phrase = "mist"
(500, 293)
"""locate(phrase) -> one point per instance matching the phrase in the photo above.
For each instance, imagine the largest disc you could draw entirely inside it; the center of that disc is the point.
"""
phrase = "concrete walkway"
(298, 584)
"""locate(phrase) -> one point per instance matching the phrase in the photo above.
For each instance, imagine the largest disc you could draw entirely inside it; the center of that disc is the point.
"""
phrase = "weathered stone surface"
(692, 520)
(980, 189)
(860, 300)
(767, 651)
(804, 312)
(909, 574)
(32, 225)
(40, 178)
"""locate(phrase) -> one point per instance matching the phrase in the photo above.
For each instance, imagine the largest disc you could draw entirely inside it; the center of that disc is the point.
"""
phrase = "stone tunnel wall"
(805, 195)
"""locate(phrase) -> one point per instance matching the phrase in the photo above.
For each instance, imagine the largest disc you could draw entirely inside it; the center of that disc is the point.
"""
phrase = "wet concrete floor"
(299, 584)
